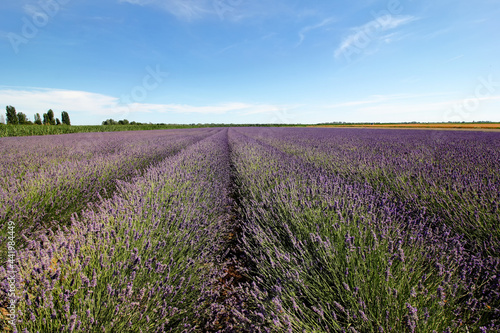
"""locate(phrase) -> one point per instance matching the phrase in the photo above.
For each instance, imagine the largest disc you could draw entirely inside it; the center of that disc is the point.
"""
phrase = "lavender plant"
(49, 178)
(257, 230)
(148, 259)
(451, 174)
(332, 254)
(134, 262)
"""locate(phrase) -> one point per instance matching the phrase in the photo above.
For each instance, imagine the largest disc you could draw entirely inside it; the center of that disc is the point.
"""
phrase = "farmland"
(481, 126)
(27, 130)
(253, 230)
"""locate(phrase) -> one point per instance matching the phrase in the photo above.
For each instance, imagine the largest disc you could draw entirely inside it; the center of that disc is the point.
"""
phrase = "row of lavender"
(49, 178)
(330, 245)
(335, 250)
(451, 174)
(149, 259)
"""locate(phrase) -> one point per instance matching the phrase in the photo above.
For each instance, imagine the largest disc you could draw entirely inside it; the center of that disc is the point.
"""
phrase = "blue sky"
(242, 61)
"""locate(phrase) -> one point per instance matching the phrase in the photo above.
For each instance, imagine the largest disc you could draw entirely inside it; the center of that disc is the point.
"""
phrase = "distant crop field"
(31, 130)
(251, 230)
(476, 126)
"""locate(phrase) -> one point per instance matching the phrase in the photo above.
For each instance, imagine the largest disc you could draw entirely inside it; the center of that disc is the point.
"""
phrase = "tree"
(65, 118)
(50, 116)
(123, 122)
(109, 122)
(38, 120)
(11, 115)
(22, 119)
(58, 122)
(45, 119)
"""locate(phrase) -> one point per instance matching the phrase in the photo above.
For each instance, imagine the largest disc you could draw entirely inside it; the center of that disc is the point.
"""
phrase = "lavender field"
(253, 230)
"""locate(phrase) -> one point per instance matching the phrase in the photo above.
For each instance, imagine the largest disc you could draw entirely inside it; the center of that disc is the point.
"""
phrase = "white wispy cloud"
(443, 110)
(222, 108)
(31, 10)
(454, 58)
(38, 100)
(437, 33)
(231, 10)
(4, 35)
(439, 106)
(377, 99)
(187, 9)
(195, 9)
(307, 29)
(360, 37)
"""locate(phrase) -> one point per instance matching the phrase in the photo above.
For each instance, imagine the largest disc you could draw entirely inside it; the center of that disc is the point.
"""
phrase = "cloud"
(38, 100)
(439, 106)
(231, 10)
(307, 29)
(185, 108)
(377, 99)
(235, 108)
(31, 10)
(187, 9)
(444, 110)
(4, 35)
(454, 58)
(194, 9)
(362, 36)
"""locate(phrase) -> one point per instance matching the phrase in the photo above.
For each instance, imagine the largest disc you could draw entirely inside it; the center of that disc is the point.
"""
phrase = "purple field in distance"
(333, 230)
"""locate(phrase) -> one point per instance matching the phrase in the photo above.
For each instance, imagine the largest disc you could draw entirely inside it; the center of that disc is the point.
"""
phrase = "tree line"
(121, 122)
(19, 118)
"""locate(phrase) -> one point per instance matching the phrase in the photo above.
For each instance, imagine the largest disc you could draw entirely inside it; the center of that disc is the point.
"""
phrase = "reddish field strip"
(491, 126)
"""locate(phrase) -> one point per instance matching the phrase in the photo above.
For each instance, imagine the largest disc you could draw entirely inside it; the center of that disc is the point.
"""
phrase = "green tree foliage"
(22, 119)
(119, 122)
(58, 122)
(11, 115)
(38, 120)
(109, 122)
(45, 119)
(50, 116)
(65, 118)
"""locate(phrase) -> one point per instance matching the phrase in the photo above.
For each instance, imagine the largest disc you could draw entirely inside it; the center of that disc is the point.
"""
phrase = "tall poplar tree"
(65, 118)
(12, 115)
